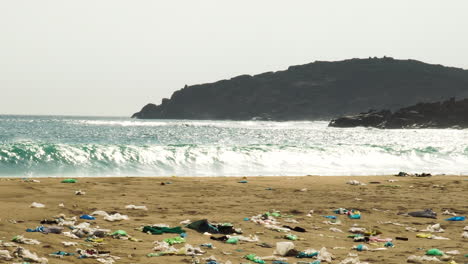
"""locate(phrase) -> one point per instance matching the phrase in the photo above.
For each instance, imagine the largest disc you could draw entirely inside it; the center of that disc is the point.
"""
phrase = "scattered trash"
(203, 226)
(5, 255)
(433, 228)
(111, 218)
(456, 218)
(335, 230)
(427, 213)
(155, 230)
(243, 181)
(185, 222)
(361, 247)
(282, 248)
(135, 207)
(447, 212)
(174, 240)
(434, 252)
(29, 256)
(61, 254)
(70, 244)
(37, 205)
(88, 217)
(421, 259)
(254, 258)
(46, 230)
(69, 181)
(80, 192)
(22, 240)
(355, 182)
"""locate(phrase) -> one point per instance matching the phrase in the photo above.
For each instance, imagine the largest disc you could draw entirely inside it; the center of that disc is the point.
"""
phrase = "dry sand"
(223, 199)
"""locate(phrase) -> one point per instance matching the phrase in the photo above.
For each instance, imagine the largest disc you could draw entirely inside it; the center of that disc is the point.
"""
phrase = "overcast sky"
(111, 57)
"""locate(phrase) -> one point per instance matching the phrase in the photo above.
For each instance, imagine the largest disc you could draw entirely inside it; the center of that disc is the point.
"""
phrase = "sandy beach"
(224, 199)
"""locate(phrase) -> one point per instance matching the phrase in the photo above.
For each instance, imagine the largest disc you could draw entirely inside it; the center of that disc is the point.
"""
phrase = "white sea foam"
(126, 147)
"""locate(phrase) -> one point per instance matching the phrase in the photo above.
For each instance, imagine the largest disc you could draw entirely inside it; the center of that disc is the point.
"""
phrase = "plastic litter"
(433, 228)
(29, 256)
(351, 260)
(203, 226)
(309, 253)
(69, 181)
(434, 252)
(80, 192)
(22, 240)
(297, 229)
(37, 205)
(119, 233)
(174, 240)
(5, 255)
(325, 256)
(115, 217)
(355, 182)
(456, 218)
(336, 230)
(61, 254)
(136, 207)
(282, 248)
(46, 230)
(427, 213)
(421, 259)
(161, 230)
(87, 217)
(254, 258)
(361, 247)
(447, 212)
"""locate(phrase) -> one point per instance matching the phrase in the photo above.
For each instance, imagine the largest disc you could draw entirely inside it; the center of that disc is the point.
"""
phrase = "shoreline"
(224, 199)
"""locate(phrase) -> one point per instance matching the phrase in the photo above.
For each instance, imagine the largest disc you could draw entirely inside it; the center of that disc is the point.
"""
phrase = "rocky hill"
(445, 114)
(319, 90)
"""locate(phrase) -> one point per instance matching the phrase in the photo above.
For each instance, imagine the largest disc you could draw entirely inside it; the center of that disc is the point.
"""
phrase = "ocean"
(110, 146)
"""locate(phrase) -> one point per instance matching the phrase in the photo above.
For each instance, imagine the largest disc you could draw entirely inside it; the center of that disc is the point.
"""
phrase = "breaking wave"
(58, 159)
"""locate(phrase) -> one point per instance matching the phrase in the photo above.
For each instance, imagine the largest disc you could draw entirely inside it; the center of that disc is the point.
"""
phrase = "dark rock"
(319, 90)
(447, 114)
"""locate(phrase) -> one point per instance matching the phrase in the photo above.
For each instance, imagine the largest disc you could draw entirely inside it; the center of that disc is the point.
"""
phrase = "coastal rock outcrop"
(445, 114)
(317, 91)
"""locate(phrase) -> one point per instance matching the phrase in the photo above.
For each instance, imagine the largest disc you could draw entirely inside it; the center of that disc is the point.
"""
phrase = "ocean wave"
(46, 159)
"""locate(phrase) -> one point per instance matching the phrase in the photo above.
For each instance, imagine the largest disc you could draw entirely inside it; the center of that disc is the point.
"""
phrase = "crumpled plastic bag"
(29, 256)
(421, 259)
(22, 240)
(352, 261)
(427, 213)
(5, 255)
(433, 228)
(37, 205)
(355, 182)
(109, 217)
(136, 207)
(325, 256)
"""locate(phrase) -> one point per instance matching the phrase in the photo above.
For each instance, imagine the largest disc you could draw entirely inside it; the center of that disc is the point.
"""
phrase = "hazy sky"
(111, 57)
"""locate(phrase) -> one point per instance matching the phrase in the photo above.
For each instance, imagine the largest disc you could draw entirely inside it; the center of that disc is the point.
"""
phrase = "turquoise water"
(97, 146)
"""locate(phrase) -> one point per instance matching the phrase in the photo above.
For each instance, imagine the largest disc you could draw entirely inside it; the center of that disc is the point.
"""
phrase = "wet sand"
(223, 199)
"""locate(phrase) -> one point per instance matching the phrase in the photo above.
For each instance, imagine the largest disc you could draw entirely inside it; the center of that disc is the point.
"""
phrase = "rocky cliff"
(319, 90)
(445, 114)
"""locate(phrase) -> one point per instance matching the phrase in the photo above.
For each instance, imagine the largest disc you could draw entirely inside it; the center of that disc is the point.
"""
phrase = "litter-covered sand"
(317, 224)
